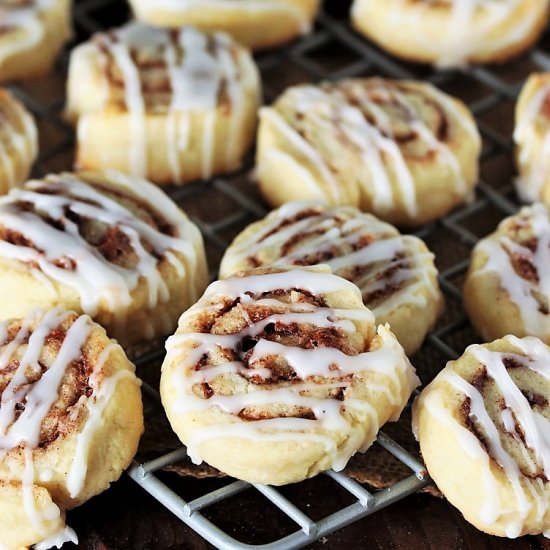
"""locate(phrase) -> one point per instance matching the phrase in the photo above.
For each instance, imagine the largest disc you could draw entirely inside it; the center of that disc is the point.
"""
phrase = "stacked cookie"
(169, 105)
(70, 422)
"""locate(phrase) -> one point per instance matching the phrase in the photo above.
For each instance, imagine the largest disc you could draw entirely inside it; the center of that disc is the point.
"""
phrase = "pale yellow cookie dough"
(277, 374)
(483, 431)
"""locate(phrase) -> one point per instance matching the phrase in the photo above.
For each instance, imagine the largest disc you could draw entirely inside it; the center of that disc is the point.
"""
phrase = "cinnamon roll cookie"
(402, 150)
(395, 273)
(452, 33)
(101, 243)
(483, 426)
(257, 24)
(507, 288)
(70, 422)
(279, 373)
(170, 105)
(18, 142)
(532, 138)
(32, 32)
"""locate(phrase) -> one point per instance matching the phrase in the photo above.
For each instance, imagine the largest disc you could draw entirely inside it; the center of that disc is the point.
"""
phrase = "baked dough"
(32, 32)
(395, 273)
(101, 243)
(18, 142)
(169, 105)
(277, 374)
(404, 151)
(483, 426)
(70, 422)
(452, 33)
(257, 24)
(532, 138)
(507, 288)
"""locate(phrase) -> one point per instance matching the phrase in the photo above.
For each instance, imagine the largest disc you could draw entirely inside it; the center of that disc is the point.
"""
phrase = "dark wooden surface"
(126, 517)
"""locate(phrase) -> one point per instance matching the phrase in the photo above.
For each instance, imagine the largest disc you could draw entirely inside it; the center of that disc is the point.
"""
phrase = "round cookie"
(18, 532)
(277, 374)
(70, 421)
(18, 142)
(100, 243)
(451, 33)
(171, 105)
(532, 139)
(507, 287)
(483, 426)
(402, 150)
(32, 32)
(257, 24)
(395, 273)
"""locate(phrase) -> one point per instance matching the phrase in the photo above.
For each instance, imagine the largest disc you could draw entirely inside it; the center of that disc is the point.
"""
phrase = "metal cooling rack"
(225, 205)
(308, 530)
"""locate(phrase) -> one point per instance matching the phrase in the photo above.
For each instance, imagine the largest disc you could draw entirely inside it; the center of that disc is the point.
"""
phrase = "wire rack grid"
(224, 205)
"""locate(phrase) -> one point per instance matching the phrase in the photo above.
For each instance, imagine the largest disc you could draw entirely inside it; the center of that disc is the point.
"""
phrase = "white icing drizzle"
(531, 495)
(333, 232)
(136, 108)
(315, 282)
(332, 191)
(95, 278)
(374, 141)
(438, 408)
(526, 294)
(102, 393)
(472, 27)
(199, 68)
(39, 397)
(186, 350)
(533, 159)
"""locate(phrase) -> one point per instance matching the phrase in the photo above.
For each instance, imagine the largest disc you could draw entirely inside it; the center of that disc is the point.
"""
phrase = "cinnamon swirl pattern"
(395, 273)
(507, 288)
(277, 374)
(101, 243)
(18, 142)
(70, 421)
(170, 105)
(483, 426)
(257, 24)
(31, 34)
(402, 150)
(452, 33)
(532, 138)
